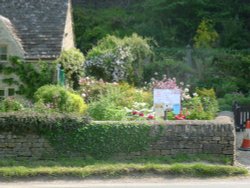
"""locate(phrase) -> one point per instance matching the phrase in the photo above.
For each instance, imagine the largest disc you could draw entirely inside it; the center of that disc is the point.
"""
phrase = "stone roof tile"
(39, 23)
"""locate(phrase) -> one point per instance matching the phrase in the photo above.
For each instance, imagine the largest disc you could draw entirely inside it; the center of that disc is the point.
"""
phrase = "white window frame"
(6, 92)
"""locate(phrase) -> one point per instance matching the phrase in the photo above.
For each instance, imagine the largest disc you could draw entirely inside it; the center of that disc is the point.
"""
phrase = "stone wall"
(23, 146)
(215, 137)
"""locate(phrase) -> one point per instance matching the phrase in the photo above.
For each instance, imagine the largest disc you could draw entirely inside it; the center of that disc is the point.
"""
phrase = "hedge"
(69, 134)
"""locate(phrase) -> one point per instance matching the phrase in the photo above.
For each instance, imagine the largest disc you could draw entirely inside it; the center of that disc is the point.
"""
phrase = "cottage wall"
(68, 39)
(13, 49)
(6, 38)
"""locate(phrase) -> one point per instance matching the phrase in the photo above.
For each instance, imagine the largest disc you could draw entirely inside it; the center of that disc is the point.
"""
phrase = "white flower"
(195, 94)
(186, 90)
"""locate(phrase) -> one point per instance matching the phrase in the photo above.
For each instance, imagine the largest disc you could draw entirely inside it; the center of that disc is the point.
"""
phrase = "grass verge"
(82, 168)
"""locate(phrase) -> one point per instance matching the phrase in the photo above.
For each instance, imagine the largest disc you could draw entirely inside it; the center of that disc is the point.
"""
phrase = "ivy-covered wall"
(59, 135)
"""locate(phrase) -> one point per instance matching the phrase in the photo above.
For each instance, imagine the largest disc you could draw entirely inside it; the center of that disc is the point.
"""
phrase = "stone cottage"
(33, 30)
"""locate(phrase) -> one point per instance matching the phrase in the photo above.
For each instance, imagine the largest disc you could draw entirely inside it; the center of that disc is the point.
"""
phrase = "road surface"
(243, 182)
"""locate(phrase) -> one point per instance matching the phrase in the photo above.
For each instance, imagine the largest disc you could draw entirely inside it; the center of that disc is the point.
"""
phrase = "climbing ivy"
(70, 135)
(30, 76)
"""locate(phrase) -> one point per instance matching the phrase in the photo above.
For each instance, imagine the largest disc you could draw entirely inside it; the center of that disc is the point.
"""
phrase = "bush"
(10, 104)
(111, 103)
(72, 62)
(227, 101)
(209, 101)
(60, 99)
(116, 59)
(91, 88)
(108, 106)
(203, 106)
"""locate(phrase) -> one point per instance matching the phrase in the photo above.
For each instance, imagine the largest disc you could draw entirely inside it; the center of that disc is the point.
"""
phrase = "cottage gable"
(41, 26)
(10, 43)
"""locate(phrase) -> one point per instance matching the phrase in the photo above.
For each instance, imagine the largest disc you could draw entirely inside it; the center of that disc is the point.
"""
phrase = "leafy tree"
(205, 36)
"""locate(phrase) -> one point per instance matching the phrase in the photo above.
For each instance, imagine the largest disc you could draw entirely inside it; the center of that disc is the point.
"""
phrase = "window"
(11, 92)
(2, 94)
(7, 92)
(3, 53)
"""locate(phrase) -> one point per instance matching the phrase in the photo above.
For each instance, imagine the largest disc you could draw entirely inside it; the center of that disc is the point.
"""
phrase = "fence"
(241, 115)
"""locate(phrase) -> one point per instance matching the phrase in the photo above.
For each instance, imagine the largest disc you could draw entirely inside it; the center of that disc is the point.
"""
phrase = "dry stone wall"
(215, 137)
(23, 146)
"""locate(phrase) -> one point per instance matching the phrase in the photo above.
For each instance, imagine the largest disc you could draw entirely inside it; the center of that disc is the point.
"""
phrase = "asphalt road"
(133, 183)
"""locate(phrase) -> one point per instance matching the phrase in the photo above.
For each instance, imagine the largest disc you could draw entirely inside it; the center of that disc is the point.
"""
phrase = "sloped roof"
(40, 25)
(12, 31)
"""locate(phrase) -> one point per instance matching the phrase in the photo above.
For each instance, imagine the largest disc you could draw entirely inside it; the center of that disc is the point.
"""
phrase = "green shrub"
(204, 106)
(60, 99)
(10, 104)
(108, 106)
(209, 101)
(72, 62)
(91, 88)
(111, 103)
(227, 101)
(116, 59)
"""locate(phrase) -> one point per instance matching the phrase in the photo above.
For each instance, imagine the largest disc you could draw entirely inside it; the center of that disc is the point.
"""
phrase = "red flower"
(150, 116)
(141, 114)
(180, 117)
(135, 112)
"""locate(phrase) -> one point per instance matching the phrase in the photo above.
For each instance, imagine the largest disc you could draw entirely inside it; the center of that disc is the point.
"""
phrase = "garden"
(106, 85)
(101, 102)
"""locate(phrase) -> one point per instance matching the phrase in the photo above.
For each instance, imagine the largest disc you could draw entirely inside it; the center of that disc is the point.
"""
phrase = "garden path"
(242, 157)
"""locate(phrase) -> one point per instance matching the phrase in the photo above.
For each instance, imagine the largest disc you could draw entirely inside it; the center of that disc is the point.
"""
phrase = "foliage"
(203, 105)
(108, 106)
(133, 95)
(60, 99)
(165, 21)
(69, 134)
(31, 76)
(166, 65)
(72, 62)
(205, 36)
(90, 25)
(227, 101)
(229, 80)
(115, 59)
(111, 103)
(90, 89)
(9, 104)
(38, 122)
